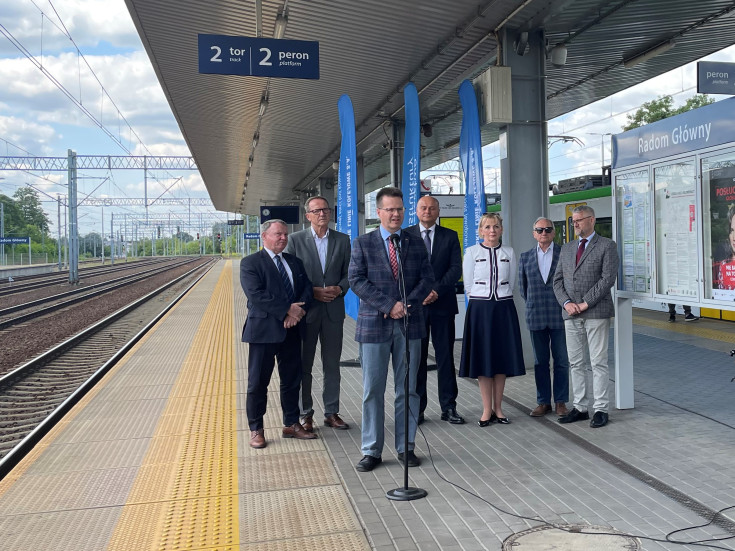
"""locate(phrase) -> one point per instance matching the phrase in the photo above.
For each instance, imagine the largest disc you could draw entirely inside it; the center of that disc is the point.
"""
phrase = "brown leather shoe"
(541, 410)
(298, 432)
(333, 420)
(561, 409)
(308, 423)
(257, 439)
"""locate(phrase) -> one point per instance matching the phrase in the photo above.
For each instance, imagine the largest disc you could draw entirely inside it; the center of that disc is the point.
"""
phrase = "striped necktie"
(284, 278)
(393, 258)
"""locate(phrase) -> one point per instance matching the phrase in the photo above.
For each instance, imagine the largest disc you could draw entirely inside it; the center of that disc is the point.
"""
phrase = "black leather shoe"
(452, 416)
(368, 463)
(574, 416)
(502, 420)
(599, 419)
(420, 420)
(484, 422)
(413, 461)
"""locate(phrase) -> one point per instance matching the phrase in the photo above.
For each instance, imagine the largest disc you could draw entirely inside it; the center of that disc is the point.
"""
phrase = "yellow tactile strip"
(695, 329)
(185, 495)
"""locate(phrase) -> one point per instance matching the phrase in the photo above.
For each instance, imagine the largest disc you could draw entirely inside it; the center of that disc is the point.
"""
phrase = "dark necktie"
(393, 258)
(427, 241)
(284, 278)
(580, 249)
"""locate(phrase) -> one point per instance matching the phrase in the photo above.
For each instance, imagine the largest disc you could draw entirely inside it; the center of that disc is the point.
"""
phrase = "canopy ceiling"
(370, 50)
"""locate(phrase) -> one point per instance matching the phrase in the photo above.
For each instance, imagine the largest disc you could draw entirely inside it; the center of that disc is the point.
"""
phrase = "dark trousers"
(261, 359)
(687, 309)
(442, 335)
(329, 334)
(554, 341)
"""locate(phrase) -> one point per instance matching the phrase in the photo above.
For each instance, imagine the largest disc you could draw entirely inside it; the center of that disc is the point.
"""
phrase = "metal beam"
(101, 162)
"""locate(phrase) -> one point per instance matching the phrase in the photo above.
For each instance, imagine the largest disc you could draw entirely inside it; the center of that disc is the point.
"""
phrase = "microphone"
(396, 242)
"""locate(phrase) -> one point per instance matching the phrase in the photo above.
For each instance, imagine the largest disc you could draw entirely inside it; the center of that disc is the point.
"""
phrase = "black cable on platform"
(565, 528)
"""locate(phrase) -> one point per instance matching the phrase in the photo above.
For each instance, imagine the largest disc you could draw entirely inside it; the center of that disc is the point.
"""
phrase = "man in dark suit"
(586, 271)
(440, 307)
(375, 277)
(279, 294)
(543, 317)
(326, 257)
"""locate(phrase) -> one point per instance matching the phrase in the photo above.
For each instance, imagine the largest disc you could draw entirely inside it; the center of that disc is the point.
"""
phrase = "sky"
(114, 82)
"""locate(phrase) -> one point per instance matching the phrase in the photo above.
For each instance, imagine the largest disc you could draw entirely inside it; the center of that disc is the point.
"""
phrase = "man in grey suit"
(587, 270)
(326, 257)
(544, 318)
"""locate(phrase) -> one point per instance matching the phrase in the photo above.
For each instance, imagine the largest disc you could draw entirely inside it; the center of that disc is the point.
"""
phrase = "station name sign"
(707, 126)
(258, 57)
(715, 77)
(14, 240)
(236, 222)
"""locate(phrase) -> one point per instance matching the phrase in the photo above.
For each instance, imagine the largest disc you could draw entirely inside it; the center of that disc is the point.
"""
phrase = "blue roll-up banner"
(347, 221)
(470, 155)
(411, 152)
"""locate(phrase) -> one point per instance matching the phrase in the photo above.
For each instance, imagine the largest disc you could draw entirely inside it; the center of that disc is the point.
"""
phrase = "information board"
(633, 208)
(258, 57)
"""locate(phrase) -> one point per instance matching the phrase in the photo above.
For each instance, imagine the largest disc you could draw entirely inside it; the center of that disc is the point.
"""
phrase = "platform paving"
(664, 465)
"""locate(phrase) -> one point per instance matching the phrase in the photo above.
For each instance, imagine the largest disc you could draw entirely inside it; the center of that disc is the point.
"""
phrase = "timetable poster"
(633, 206)
(676, 230)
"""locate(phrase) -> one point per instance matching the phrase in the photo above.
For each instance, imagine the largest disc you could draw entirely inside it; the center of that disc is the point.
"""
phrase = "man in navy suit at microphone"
(375, 277)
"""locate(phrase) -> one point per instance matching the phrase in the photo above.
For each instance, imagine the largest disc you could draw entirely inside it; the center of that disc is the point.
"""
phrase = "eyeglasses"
(397, 210)
(542, 230)
(578, 220)
(326, 210)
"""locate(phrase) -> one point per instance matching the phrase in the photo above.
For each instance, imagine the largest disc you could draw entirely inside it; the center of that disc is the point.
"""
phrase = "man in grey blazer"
(544, 318)
(326, 257)
(586, 272)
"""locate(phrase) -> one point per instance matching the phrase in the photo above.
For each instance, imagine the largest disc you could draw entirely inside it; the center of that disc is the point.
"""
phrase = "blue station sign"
(258, 57)
(700, 128)
(715, 77)
(14, 240)
(251, 236)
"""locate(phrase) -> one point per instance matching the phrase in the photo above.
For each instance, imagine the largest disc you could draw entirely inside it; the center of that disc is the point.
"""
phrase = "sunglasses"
(542, 230)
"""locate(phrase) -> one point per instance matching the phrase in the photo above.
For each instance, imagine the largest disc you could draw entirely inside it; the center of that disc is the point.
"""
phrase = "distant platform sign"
(251, 236)
(258, 57)
(236, 222)
(14, 240)
(715, 77)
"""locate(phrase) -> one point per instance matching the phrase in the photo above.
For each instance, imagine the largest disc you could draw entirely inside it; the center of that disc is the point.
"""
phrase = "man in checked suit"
(374, 277)
(544, 319)
(587, 270)
(326, 257)
(440, 307)
(279, 294)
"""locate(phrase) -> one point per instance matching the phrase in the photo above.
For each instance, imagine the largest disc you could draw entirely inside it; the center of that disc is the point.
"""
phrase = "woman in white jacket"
(491, 348)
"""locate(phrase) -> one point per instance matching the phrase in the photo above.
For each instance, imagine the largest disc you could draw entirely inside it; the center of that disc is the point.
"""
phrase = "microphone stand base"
(406, 494)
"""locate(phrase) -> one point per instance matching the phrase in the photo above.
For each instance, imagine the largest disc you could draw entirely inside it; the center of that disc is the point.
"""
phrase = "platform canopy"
(370, 49)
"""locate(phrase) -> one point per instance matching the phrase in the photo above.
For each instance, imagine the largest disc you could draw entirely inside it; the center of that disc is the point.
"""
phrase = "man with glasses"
(326, 257)
(586, 271)
(377, 274)
(544, 319)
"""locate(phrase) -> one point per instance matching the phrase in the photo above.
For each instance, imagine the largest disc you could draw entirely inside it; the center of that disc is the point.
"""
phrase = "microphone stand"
(405, 493)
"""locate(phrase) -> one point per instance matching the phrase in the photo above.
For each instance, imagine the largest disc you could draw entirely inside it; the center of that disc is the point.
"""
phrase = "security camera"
(558, 55)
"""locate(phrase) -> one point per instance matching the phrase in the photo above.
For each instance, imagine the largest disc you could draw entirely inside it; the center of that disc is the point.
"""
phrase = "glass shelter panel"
(718, 237)
(677, 264)
(632, 192)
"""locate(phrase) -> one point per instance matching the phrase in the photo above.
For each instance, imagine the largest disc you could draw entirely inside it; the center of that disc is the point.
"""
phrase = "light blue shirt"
(283, 260)
(321, 247)
(385, 234)
(544, 260)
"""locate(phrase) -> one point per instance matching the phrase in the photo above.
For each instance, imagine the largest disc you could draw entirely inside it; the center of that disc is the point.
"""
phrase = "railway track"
(36, 309)
(39, 281)
(37, 394)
